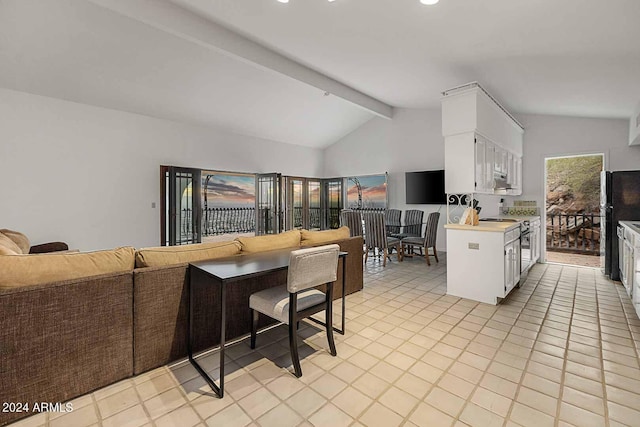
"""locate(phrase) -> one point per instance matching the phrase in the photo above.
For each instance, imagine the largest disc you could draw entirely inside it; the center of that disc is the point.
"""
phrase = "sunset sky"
(374, 191)
(229, 191)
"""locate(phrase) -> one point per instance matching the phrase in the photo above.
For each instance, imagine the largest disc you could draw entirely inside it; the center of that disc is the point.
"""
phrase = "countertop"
(496, 227)
(633, 226)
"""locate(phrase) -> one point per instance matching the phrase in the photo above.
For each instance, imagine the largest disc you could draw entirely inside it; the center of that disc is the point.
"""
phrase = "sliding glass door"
(180, 206)
(268, 204)
(332, 202)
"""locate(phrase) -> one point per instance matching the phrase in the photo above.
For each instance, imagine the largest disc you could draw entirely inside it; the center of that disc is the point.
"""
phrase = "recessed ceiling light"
(429, 2)
(283, 1)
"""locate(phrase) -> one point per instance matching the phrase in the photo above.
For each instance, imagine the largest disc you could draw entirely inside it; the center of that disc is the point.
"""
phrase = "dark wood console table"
(229, 272)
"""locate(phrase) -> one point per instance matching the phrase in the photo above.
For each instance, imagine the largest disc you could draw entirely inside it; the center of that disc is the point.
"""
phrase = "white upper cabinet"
(480, 134)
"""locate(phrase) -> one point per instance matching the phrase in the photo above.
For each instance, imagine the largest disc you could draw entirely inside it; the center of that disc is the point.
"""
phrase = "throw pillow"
(8, 246)
(19, 239)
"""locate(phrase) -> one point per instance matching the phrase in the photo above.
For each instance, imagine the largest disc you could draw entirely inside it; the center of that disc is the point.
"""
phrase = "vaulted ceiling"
(310, 71)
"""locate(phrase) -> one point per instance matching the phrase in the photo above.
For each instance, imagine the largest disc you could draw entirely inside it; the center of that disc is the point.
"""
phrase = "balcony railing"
(216, 221)
(574, 233)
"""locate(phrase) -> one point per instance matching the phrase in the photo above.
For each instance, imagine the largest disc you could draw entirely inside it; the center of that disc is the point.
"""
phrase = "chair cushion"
(274, 302)
(288, 239)
(418, 241)
(170, 255)
(392, 241)
(310, 238)
(25, 270)
(19, 239)
(8, 246)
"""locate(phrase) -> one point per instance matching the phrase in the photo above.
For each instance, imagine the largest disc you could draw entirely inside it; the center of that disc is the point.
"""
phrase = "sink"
(500, 219)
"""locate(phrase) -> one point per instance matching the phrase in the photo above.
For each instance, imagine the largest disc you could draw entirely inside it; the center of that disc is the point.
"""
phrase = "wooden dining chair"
(429, 240)
(298, 299)
(375, 236)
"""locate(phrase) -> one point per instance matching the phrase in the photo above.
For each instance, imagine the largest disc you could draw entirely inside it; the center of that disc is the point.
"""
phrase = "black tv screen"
(425, 188)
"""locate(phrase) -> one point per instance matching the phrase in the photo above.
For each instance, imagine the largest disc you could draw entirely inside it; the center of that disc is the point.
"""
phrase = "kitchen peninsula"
(483, 260)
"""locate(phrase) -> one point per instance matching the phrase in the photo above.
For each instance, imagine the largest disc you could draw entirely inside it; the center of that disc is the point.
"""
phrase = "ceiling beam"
(173, 19)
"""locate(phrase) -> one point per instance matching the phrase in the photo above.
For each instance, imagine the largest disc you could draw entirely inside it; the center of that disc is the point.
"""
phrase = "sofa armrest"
(49, 247)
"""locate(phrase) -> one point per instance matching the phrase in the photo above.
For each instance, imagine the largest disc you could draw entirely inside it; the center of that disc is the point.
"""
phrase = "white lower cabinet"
(511, 265)
(483, 265)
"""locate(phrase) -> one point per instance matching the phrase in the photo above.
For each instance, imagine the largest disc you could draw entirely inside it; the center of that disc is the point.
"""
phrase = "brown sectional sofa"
(62, 339)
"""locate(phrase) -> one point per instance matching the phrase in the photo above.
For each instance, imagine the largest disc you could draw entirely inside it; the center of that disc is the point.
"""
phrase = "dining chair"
(392, 217)
(298, 299)
(353, 220)
(412, 227)
(375, 231)
(412, 224)
(429, 240)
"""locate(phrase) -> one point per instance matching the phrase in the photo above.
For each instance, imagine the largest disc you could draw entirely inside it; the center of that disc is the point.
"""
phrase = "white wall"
(88, 175)
(411, 141)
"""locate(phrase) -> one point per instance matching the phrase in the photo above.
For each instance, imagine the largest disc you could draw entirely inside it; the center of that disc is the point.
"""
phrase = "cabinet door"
(510, 169)
(489, 158)
(508, 267)
(516, 262)
(497, 164)
(532, 244)
(481, 164)
(518, 176)
(505, 161)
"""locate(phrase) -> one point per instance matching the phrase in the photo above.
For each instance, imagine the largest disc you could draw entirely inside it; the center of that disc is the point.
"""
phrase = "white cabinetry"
(481, 141)
(483, 265)
(472, 163)
(511, 261)
(631, 261)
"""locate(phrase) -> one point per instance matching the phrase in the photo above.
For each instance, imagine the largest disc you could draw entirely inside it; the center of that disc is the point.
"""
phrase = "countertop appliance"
(620, 201)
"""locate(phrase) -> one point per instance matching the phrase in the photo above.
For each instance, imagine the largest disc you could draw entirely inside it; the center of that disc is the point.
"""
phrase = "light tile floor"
(561, 350)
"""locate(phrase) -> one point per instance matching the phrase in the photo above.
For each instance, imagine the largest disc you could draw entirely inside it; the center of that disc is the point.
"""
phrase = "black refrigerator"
(620, 201)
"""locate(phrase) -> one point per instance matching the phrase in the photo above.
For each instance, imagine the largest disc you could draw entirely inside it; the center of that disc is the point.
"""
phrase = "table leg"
(217, 390)
(344, 287)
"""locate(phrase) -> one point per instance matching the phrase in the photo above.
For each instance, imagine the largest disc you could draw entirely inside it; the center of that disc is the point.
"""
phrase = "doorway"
(572, 206)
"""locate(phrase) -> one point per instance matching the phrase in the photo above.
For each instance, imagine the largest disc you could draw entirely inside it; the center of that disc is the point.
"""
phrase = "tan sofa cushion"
(25, 270)
(169, 255)
(310, 238)
(19, 239)
(288, 239)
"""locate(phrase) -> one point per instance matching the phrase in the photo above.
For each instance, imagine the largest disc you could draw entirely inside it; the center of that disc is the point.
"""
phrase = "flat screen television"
(425, 188)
